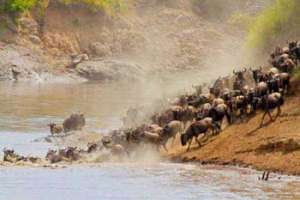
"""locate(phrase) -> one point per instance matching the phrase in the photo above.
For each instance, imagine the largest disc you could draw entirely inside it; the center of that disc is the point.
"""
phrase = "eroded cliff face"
(153, 35)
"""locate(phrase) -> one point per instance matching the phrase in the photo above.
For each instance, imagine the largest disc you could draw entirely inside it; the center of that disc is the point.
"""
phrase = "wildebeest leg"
(267, 176)
(278, 112)
(197, 140)
(173, 140)
(165, 147)
(263, 176)
(263, 118)
(270, 116)
(190, 143)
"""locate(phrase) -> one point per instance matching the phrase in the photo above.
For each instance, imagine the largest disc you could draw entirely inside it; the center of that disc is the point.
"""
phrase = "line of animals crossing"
(234, 98)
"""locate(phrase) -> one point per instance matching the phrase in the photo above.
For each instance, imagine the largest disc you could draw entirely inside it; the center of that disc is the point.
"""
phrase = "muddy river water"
(26, 109)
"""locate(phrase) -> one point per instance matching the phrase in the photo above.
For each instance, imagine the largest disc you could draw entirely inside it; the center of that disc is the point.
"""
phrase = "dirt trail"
(274, 147)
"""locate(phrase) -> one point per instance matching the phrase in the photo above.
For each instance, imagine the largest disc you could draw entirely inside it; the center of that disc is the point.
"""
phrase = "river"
(26, 109)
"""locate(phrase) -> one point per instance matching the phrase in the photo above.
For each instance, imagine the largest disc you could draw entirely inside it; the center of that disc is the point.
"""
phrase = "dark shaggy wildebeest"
(257, 75)
(11, 156)
(270, 102)
(239, 80)
(53, 157)
(273, 84)
(198, 101)
(74, 122)
(218, 113)
(163, 117)
(294, 50)
(195, 129)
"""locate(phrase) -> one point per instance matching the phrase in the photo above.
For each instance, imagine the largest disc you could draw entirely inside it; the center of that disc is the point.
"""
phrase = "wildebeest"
(294, 50)
(217, 101)
(170, 131)
(239, 80)
(198, 101)
(163, 118)
(195, 129)
(273, 84)
(55, 129)
(74, 122)
(11, 156)
(288, 65)
(270, 102)
(160, 136)
(218, 113)
(261, 89)
(239, 106)
(284, 82)
(70, 153)
(53, 157)
(203, 111)
(257, 75)
(92, 147)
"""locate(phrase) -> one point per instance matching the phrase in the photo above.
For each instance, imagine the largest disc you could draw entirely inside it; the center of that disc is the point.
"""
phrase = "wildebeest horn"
(234, 72)
(245, 69)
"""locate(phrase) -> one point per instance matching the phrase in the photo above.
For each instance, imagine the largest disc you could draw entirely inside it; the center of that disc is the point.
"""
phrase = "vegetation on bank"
(281, 19)
(109, 6)
(20, 6)
(16, 6)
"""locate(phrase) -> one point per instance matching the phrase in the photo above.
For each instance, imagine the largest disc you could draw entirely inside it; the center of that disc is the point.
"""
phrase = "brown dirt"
(274, 147)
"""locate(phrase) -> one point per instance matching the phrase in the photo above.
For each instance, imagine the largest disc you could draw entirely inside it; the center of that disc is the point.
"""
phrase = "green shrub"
(15, 6)
(109, 6)
(279, 19)
(240, 20)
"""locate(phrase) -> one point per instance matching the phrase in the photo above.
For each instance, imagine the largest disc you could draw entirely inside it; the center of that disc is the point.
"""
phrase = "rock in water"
(74, 122)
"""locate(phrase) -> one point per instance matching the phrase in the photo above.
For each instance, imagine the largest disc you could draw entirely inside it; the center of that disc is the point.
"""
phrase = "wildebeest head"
(50, 153)
(292, 45)
(92, 147)
(8, 152)
(256, 74)
(166, 130)
(240, 74)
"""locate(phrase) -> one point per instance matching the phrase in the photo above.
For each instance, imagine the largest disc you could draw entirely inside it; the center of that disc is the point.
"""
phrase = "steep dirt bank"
(274, 147)
(150, 35)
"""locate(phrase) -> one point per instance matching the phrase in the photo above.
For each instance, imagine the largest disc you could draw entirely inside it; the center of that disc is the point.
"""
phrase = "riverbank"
(148, 38)
(274, 147)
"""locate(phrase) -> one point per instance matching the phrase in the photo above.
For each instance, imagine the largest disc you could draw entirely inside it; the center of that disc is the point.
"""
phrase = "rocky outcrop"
(17, 63)
(22, 64)
(100, 70)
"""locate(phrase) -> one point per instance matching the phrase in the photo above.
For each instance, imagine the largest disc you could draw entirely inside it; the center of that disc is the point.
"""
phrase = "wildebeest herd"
(235, 98)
